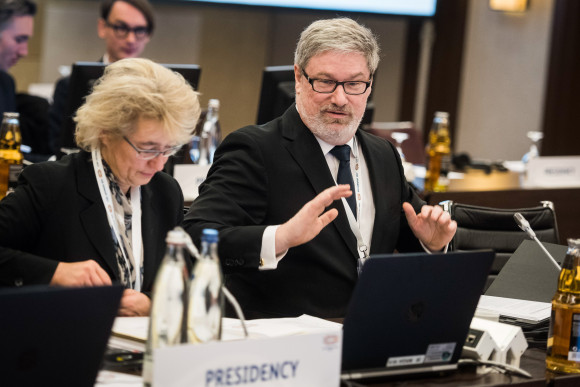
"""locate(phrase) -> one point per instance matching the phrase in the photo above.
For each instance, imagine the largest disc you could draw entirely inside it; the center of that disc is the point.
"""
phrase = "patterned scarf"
(123, 215)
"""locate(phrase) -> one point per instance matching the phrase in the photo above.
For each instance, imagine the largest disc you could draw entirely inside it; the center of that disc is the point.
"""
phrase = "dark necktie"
(342, 153)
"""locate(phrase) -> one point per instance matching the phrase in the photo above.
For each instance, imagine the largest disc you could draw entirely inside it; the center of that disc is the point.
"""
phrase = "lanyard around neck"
(362, 247)
(106, 196)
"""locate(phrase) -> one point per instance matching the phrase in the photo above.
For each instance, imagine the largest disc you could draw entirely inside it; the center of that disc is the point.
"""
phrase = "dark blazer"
(56, 214)
(262, 175)
(7, 93)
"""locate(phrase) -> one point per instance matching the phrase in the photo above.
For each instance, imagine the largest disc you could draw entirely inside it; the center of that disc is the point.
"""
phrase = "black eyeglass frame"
(336, 84)
(150, 154)
(122, 30)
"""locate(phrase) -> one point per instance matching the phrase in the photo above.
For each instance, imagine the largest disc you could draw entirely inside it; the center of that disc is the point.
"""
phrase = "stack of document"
(511, 310)
(532, 316)
(130, 333)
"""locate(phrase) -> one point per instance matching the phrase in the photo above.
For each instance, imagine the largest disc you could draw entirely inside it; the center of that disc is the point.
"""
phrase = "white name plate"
(302, 360)
(189, 177)
(553, 171)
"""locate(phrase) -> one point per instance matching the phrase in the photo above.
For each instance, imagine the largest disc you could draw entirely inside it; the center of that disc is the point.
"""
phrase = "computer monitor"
(278, 93)
(82, 78)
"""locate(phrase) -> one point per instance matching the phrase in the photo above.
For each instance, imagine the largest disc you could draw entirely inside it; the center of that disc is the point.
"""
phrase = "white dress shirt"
(364, 199)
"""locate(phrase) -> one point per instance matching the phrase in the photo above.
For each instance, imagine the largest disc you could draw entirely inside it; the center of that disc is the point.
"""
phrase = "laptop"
(55, 336)
(410, 313)
(529, 274)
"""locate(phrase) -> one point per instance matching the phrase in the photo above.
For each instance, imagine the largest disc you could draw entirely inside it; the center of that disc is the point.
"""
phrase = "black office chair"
(495, 228)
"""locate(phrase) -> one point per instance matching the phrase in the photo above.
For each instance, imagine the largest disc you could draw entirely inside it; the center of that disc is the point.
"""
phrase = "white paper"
(189, 177)
(510, 307)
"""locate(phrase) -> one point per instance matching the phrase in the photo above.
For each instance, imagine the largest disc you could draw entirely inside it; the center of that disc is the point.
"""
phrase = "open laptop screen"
(411, 312)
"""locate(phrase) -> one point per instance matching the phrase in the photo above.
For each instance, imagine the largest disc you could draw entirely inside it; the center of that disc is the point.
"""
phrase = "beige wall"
(501, 94)
(503, 80)
(232, 45)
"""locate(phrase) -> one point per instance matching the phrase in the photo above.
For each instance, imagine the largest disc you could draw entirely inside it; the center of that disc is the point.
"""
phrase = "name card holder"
(553, 172)
(189, 177)
(303, 360)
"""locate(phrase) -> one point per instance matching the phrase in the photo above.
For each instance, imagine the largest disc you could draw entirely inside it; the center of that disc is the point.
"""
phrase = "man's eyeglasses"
(327, 86)
(122, 30)
(150, 154)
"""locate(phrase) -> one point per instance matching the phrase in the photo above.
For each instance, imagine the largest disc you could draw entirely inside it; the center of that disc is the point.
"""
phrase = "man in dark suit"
(16, 28)
(281, 256)
(126, 27)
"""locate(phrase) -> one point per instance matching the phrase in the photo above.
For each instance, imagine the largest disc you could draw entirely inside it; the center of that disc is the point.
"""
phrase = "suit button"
(18, 282)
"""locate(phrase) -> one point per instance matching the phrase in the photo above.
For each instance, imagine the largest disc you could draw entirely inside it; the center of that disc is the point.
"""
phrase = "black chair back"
(484, 228)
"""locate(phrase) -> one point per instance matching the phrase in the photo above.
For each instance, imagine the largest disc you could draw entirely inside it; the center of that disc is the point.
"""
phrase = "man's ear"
(101, 27)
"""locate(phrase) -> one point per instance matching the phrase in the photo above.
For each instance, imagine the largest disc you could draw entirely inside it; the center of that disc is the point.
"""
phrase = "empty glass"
(536, 137)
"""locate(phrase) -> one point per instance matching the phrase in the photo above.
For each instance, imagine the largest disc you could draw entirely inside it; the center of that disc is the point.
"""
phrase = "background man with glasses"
(16, 27)
(272, 190)
(126, 27)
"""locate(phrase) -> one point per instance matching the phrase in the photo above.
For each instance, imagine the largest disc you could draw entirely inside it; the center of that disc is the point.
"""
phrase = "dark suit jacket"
(262, 175)
(56, 214)
(7, 93)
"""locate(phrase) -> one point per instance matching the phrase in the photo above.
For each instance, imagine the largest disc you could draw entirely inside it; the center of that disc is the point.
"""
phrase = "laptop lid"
(410, 313)
(55, 336)
(529, 274)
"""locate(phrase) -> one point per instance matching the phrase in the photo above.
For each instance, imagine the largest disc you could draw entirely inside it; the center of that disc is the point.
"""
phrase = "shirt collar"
(326, 147)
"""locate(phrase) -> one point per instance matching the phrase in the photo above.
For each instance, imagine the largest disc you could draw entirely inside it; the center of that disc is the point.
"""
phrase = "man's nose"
(339, 96)
(23, 49)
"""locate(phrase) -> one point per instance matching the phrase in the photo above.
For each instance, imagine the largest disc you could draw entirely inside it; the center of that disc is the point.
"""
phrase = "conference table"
(533, 361)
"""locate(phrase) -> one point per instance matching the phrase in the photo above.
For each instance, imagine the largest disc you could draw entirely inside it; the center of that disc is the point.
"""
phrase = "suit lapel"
(306, 151)
(93, 218)
(379, 171)
(150, 233)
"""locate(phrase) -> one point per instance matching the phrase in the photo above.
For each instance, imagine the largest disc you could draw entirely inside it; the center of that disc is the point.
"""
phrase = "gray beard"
(321, 129)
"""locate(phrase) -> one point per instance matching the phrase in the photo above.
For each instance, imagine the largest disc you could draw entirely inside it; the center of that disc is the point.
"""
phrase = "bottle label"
(574, 349)
(15, 170)
(551, 333)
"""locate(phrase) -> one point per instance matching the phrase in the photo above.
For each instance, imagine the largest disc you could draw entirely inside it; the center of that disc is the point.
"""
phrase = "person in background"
(101, 215)
(126, 27)
(272, 190)
(16, 28)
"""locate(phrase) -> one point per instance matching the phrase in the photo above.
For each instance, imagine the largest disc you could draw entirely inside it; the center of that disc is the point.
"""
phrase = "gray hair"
(11, 8)
(135, 88)
(339, 34)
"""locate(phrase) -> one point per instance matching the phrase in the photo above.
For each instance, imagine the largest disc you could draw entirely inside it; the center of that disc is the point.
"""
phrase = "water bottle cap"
(210, 235)
(442, 114)
(175, 237)
(214, 103)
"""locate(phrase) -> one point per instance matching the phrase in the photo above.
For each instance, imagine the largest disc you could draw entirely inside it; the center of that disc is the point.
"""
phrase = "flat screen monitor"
(82, 78)
(278, 93)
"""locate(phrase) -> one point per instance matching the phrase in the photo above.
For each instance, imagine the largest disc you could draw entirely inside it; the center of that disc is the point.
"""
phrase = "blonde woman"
(100, 216)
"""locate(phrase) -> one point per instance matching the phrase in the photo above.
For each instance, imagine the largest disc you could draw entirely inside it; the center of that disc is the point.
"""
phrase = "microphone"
(525, 226)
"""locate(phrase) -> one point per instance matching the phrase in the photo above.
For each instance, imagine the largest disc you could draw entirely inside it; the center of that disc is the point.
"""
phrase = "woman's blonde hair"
(136, 88)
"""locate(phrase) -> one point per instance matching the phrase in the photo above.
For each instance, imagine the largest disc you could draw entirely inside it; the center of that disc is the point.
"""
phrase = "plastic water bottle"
(168, 324)
(204, 144)
(206, 302)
